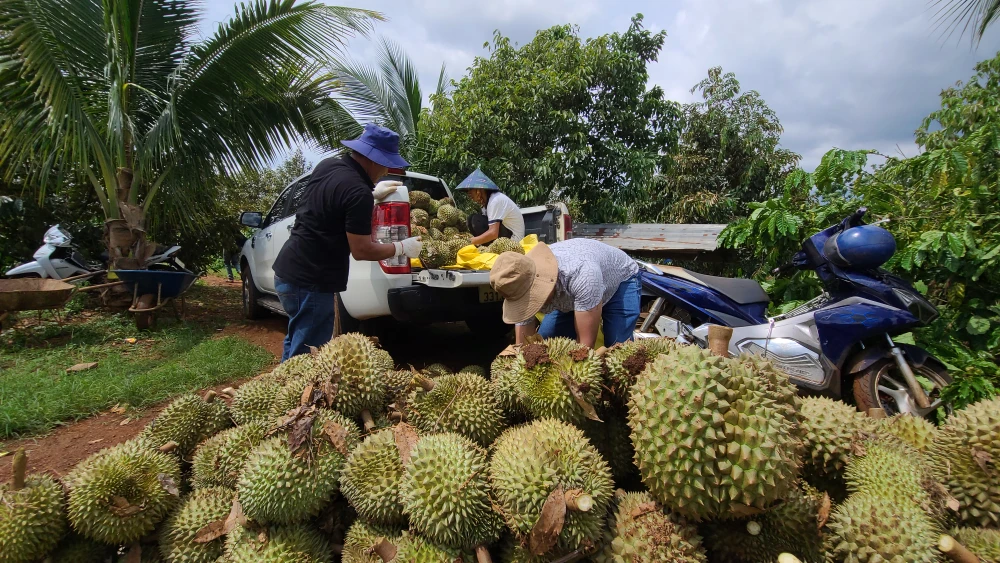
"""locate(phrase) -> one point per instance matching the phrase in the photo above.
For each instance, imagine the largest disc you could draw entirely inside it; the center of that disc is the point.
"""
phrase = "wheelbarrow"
(154, 289)
(37, 294)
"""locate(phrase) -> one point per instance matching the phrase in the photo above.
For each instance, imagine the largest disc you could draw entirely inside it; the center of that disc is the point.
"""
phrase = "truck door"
(264, 250)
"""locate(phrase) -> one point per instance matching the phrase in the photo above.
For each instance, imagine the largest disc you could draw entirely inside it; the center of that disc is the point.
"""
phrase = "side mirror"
(252, 219)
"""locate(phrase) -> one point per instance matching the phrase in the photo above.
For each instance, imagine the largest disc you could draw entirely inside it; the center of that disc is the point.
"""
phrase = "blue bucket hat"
(378, 144)
(478, 180)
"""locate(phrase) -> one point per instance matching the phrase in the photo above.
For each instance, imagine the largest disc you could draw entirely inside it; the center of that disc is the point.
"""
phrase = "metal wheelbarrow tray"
(163, 285)
(30, 294)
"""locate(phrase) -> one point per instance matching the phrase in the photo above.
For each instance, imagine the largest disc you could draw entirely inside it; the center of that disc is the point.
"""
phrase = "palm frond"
(966, 15)
(331, 123)
(404, 83)
(165, 33)
(444, 82)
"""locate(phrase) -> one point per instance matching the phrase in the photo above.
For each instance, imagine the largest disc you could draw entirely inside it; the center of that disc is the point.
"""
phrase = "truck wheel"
(882, 386)
(343, 322)
(488, 326)
(251, 310)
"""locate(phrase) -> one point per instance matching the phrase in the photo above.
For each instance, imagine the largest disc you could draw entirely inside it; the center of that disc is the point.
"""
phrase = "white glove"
(410, 247)
(384, 188)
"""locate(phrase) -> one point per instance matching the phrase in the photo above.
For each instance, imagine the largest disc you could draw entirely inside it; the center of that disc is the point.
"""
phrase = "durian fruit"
(966, 459)
(352, 360)
(792, 526)
(454, 245)
(446, 201)
(475, 370)
(542, 458)
(714, 435)
(432, 208)
(883, 467)
(463, 222)
(435, 234)
(420, 218)
(503, 380)
(296, 543)
(120, 494)
(217, 417)
(448, 215)
(915, 431)
(397, 387)
(382, 360)
(32, 514)
(371, 478)
(450, 232)
(179, 539)
(419, 201)
(413, 548)
(626, 360)
(183, 422)
(612, 438)
(218, 461)
(436, 369)
(504, 244)
(292, 368)
(436, 224)
(554, 377)
(253, 401)
(983, 542)
(279, 486)
(434, 254)
(362, 538)
(419, 231)
(868, 528)
(639, 531)
(289, 397)
(77, 549)
(830, 428)
(463, 403)
(446, 494)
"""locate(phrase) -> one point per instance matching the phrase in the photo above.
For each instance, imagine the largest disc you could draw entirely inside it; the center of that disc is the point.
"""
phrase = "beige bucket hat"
(525, 281)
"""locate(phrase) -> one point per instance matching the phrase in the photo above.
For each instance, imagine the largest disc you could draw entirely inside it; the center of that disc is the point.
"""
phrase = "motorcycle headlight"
(916, 305)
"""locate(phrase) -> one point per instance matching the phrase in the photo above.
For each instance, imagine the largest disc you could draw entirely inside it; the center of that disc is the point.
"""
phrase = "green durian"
(554, 377)
(714, 435)
(504, 244)
(432, 208)
(77, 549)
(296, 543)
(639, 531)
(446, 201)
(475, 370)
(218, 461)
(454, 245)
(450, 232)
(436, 370)
(352, 360)
(420, 218)
(412, 548)
(397, 387)
(463, 222)
(983, 542)
(890, 469)
(625, 361)
(436, 225)
(217, 417)
(253, 401)
(446, 493)
(966, 459)
(362, 537)
(183, 421)
(32, 514)
(830, 428)
(532, 461)
(278, 486)
(503, 380)
(383, 360)
(915, 431)
(120, 494)
(612, 438)
(434, 254)
(290, 369)
(179, 537)
(868, 528)
(419, 201)
(371, 479)
(792, 526)
(448, 215)
(463, 403)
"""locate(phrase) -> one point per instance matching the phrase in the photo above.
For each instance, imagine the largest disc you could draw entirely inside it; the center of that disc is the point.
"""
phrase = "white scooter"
(57, 259)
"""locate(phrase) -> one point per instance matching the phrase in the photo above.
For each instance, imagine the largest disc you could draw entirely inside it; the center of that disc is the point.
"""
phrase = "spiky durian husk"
(278, 486)
(868, 528)
(178, 538)
(419, 201)
(397, 388)
(792, 526)
(434, 254)
(830, 429)
(981, 541)
(503, 380)
(504, 244)
(966, 458)
(455, 244)
(639, 531)
(530, 461)
(77, 549)
(475, 370)
(714, 435)
(253, 401)
(32, 519)
(361, 383)
(448, 215)
(413, 548)
(611, 437)
(183, 421)
(296, 543)
(217, 418)
(446, 494)
(544, 373)
(290, 369)
(437, 370)
(625, 361)
(420, 218)
(120, 494)
(892, 469)
(432, 208)
(371, 479)
(218, 461)
(362, 537)
(383, 360)
(915, 431)
(436, 227)
(463, 403)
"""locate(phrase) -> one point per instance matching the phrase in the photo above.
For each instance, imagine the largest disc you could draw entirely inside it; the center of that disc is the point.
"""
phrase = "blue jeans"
(310, 316)
(618, 316)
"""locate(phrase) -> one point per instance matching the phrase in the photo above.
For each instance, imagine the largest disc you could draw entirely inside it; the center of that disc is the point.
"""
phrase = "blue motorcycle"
(838, 344)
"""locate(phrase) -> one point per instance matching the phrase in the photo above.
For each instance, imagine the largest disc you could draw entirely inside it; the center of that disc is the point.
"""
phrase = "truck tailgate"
(452, 278)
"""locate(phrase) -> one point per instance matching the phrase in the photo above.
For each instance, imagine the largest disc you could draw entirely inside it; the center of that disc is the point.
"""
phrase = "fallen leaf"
(96, 441)
(118, 409)
(577, 393)
(824, 511)
(168, 484)
(405, 437)
(982, 459)
(858, 450)
(742, 511)
(336, 434)
(545, 533)
(211, 532)
(134, 554)
(235, 517)
(81, 367)
(510, 350)
(643, 509)
(307, 393)
(122, 507)
(125, 422)
(300, 435)
(4, 454)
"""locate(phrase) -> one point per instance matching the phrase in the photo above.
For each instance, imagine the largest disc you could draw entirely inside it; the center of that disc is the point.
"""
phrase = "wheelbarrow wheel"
(144, 321)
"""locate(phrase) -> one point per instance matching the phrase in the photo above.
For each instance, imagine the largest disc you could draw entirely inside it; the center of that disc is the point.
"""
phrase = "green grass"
(37, 394)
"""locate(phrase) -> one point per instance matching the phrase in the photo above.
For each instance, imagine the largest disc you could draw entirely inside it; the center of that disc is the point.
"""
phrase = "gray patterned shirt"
(589, 274)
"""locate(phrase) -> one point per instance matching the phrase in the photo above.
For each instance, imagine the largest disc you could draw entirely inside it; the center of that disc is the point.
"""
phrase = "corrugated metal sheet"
(654, 238)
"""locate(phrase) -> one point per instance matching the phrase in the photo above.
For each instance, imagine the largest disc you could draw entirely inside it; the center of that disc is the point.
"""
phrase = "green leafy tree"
(559, 117)
(729, 155)
(121, 95)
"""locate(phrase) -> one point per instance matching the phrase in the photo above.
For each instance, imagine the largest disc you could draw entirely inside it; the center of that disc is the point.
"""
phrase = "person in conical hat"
(500, 216)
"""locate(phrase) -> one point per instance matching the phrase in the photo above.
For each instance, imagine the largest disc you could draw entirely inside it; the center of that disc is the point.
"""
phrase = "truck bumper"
(423, 304)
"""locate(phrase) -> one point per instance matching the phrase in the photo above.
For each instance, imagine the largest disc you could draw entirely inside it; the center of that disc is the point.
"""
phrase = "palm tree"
(388, 94)
(120, 93)
(965, 14)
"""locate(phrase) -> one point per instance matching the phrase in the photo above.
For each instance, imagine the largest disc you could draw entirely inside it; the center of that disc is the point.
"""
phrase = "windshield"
(56, 236)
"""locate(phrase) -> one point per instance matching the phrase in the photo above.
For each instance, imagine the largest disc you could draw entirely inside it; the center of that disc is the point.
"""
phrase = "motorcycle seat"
(740, 290)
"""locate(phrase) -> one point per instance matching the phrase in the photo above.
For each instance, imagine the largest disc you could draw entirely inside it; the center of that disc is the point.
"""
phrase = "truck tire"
(251, 309)
(488, 327)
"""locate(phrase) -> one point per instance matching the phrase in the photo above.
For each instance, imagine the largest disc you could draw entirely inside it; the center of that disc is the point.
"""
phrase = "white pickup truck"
(387, 291)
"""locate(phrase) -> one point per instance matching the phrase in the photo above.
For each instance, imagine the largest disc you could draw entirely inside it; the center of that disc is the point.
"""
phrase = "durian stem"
(385, 550)
(753, 527)
(788, 558)
(169, 447)
(483, 554)
(20, 469)
(210, 396)
(956, 551)
(426, 383)
(229, 391)
(718, 339)
(366, 417)
(578, 501)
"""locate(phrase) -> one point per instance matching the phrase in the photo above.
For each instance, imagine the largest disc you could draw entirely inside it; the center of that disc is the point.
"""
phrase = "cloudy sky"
(844, 73)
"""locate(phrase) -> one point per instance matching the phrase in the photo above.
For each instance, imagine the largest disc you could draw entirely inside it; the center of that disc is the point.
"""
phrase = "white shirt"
(502, 209)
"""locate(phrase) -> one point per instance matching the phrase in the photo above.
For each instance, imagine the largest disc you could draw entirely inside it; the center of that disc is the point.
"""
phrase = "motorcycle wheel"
(881, 385)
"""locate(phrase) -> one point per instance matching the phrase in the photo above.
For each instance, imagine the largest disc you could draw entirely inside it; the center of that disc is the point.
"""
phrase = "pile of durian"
(647, 452)
(445, 231)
